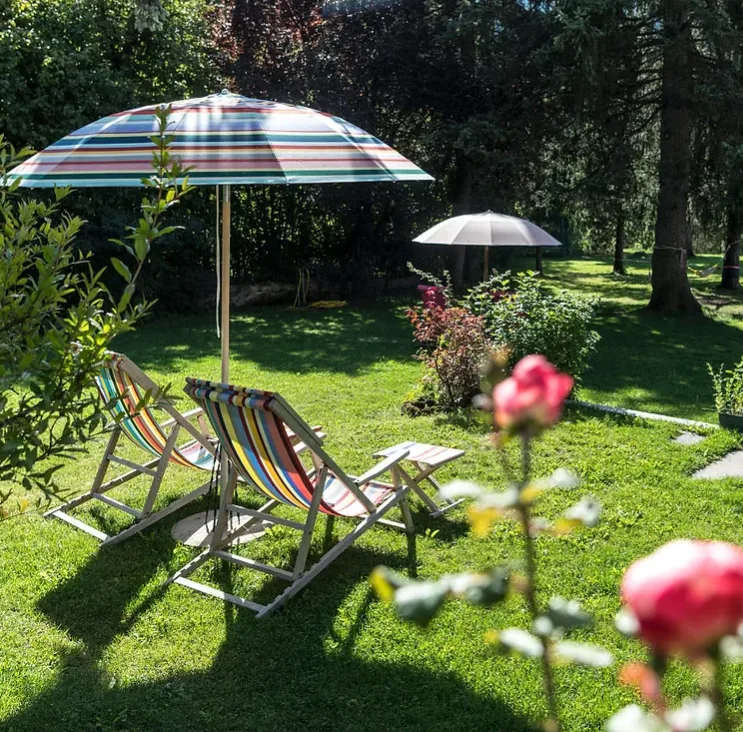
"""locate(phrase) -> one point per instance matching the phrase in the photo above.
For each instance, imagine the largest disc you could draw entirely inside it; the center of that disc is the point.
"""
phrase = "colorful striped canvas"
(121, 394)
(227, 139)
(259, 446)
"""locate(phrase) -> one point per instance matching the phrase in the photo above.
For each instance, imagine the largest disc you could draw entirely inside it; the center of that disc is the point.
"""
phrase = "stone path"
(688, 438)
(731, 466)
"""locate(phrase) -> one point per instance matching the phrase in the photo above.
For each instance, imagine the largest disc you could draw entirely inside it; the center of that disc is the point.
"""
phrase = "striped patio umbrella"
(226, 139)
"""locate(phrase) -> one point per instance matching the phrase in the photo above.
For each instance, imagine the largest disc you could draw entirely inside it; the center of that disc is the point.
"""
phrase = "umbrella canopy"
(487, 230)
(227, 139)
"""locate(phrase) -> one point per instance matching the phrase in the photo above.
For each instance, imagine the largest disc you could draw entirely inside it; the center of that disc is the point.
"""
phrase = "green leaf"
(583, 654)
(485, 589)
(121, 268)
(633, 718)
(126, 297)
(694, 715)
(567, 614)
(521, 641)
(420, 601)
(626, 623)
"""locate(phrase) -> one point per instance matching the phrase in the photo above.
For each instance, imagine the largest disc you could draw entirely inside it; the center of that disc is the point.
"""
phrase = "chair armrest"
(300, 447)
(186, 415)
(382, 467)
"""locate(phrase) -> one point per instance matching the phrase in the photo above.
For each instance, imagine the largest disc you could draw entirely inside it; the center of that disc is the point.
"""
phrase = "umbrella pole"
(485, 269)
(225, 276)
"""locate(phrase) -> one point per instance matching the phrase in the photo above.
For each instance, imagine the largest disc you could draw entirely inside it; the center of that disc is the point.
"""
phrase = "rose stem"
(530, 591)
(718, 696)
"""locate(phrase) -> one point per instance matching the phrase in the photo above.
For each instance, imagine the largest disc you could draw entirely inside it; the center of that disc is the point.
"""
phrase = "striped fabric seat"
(122, 395)
(255, 430)
(123, 386)
(258, 442)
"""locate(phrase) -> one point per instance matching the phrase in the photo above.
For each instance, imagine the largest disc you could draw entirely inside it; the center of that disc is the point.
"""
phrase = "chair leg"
(160, 471)
(333, 554)
(309, 527)
(407, 516)
(238, 532)
(100, 475)
(138, 526)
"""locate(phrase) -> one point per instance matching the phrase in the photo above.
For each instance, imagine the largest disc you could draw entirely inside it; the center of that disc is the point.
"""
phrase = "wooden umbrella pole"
(225, 276)
(485, 269)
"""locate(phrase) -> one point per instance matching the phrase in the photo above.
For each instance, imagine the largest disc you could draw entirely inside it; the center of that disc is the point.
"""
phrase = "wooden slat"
(117, 504)
(254, 606)
(269, 518)
(394, 524)
(252, 564)
(132, 465)
(80, 525)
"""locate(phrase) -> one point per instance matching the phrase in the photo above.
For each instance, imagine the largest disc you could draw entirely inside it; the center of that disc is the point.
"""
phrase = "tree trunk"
(619, 245)
(361, 246)
(671, 291)
(731, 262)
(538, 260)
(460, 195)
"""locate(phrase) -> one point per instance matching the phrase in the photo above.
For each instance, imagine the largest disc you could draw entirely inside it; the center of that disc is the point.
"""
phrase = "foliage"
(524, 315)
(57, 318)
(550, 622)
(727, 386)
(454, 348)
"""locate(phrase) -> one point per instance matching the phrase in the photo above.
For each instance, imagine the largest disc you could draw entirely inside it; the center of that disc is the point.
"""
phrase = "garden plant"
(59, 317)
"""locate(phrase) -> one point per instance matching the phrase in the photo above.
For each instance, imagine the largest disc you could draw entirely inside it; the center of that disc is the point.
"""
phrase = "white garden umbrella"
(487, 230)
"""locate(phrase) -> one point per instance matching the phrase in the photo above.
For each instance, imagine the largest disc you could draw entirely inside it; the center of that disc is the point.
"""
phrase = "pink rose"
(532, 396)
(686, 595)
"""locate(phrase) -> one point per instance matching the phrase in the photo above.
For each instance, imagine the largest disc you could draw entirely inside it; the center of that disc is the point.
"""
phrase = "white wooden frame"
(297, 576)
(155, 468)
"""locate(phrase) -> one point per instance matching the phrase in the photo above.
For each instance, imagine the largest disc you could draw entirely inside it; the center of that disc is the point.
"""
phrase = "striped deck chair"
(252, 427)
(122, 387)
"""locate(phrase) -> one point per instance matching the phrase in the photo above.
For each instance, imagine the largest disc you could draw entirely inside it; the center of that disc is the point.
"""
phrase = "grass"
(91, 641)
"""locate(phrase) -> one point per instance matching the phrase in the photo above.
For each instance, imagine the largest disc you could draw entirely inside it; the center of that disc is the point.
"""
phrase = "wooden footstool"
(427, 459)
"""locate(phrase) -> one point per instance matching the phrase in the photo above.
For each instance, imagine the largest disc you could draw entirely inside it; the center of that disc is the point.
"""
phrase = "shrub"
(727, 386)
(454, 347)
(520, 312)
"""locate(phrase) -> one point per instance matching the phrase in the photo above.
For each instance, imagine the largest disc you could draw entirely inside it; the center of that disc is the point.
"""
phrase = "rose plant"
(522, 406)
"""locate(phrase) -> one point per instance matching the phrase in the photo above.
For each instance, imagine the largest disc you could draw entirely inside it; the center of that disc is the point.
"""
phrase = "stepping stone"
(731, 466)
(688, 438)
(195, 530)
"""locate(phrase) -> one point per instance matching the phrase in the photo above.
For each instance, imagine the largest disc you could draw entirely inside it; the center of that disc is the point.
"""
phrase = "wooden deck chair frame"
(298, 577)
(155, 468)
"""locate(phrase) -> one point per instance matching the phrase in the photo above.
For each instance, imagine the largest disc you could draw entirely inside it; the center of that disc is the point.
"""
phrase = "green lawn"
(90, 641)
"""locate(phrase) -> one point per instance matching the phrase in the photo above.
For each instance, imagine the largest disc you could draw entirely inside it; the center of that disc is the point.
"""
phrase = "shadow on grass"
(344, 340)
(664, 358)
(274, 674)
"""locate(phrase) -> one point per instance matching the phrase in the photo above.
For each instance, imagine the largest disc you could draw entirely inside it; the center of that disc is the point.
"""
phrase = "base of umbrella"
(196, 530)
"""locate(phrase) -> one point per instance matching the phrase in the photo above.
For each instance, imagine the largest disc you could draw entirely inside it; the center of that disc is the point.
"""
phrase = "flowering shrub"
(523, 314)
(433, 296)
(454, 348)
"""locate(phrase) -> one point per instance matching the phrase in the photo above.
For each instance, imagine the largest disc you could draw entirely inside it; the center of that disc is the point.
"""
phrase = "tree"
(57, 318)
